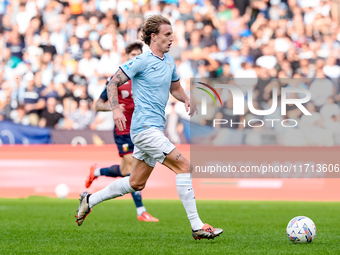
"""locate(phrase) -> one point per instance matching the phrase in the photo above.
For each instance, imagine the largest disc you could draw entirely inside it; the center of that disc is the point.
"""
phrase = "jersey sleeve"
(175, 76)
(132, 67)
(103, 95)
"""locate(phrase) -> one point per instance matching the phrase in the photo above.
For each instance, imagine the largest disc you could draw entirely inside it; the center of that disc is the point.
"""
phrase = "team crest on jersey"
(128, 65)
(170, 64)
(125, 147)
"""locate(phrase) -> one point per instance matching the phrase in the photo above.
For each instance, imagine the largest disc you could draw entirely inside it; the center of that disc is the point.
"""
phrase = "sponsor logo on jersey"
(125, 147)
(128, 65)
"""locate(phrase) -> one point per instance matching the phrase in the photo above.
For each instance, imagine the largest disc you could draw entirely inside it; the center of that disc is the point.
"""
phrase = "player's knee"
(137, 186)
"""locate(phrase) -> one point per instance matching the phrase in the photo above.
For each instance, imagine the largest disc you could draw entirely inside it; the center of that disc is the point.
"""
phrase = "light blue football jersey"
(151, 79)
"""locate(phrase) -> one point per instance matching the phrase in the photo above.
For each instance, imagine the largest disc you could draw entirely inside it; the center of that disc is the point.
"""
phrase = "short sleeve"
(60, 116)
(44, 114)
(103, 95)
(175, 76)
(132, 67)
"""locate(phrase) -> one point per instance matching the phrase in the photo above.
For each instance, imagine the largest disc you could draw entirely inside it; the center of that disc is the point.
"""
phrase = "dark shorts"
(124, 143)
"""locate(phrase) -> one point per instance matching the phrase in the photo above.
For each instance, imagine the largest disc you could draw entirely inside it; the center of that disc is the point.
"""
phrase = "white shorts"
(151, 145)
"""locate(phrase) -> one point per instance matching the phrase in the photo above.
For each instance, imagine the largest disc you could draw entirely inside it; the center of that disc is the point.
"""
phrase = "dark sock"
(112, 171)
(137, 198)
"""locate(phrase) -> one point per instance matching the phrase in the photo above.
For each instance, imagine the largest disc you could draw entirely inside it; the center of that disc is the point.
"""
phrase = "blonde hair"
(151, 25)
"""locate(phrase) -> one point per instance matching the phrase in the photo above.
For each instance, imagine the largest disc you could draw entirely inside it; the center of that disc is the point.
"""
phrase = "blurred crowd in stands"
(55, 56)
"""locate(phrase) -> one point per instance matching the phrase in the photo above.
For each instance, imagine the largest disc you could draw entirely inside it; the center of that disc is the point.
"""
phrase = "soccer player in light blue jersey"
(153, 76)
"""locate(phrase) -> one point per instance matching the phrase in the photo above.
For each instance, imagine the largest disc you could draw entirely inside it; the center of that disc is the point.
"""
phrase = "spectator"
(45, 43)
(305, 69)
(58, 39)
(108, 62)
(331, 70)
(82, 118)
(330, 110)
(87, 65)
(224, 39)
(74, 48)
(34, 103)
(173, 125)
(15, 45)
(23, 18)
(103, 121)
(19, 116)
(208, 39)
(235, 60)
(246, 77)
(321, 89)
(49, 117)
(5, 99)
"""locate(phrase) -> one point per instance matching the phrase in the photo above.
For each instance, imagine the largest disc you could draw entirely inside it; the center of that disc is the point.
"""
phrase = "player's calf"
(140, 174)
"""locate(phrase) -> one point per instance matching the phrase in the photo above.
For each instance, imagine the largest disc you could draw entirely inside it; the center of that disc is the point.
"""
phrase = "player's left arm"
(178, 92)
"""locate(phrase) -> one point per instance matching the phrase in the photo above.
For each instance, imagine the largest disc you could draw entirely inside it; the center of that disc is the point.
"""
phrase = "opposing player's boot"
(207, 232)
(147, 217)
(90, 178)
(83, 209)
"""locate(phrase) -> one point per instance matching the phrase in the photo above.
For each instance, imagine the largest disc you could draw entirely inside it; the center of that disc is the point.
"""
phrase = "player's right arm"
(118, 79)
(126, 72)
(101, 105)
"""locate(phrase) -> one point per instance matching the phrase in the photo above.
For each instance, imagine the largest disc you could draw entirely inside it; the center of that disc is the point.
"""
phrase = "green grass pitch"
(40, 225)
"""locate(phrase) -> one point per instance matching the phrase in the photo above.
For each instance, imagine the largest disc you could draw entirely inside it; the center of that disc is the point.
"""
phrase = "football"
(62, 190)
(301, 229)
